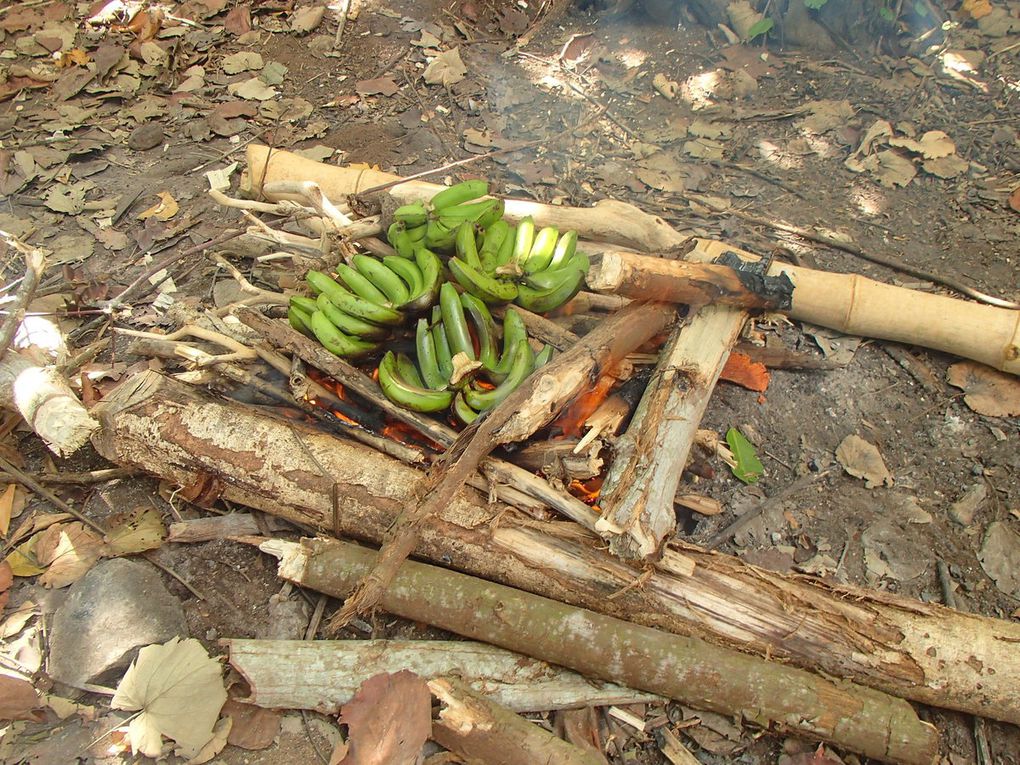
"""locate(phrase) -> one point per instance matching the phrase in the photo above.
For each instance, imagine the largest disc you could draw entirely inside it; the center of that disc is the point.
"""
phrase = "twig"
(80, 479)
(35, 261)
(883, 260)
(30, 483)
(263, 296)
(238, 351)
(341, 22)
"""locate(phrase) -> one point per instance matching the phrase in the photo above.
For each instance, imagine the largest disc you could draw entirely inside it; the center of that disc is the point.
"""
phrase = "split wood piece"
(35, 262)
(687, 669)
(607, 221)
(559, 459)
(43, 398)
(529, 408)
(213, 527)
(323, 675)
(282, 335)
(480, 730)
(216, 449)
(848, 303)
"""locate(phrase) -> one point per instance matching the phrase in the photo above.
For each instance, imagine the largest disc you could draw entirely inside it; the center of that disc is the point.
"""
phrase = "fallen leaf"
(931, 145)
(891, 169)
(749, 374)
(1014, 199)
(380, 86)
(987, 391)
(221, 733)
(307, 19)
(976, 8)
(966, 507)
(68, 550)
(18, 699)
(18, 618)
(889, 553)
(243, 61)
(863, 460)
(704, 148)
(6, 580)
(22, 559)
(253, 90)
(254, 727)
(165, 209)
(179, 691)
(664, 86)
(238, 20)
(388, 720)
(134, 532)
(1000, 557)
(66, 198)
(7, 508)
(826, 115)
(273, 73)
(445, 69)
(747, 467)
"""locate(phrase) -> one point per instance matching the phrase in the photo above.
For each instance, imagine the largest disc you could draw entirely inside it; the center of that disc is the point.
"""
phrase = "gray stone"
(147, 136)
(115, 609)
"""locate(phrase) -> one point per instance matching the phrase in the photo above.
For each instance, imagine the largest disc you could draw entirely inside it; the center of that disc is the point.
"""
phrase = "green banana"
(471, 213)
(408, 271)
(550, 278)
(360, 286)
(492, 240)
(439, 236)
(461, 192)
(520, 368)
(425, 347)
(431, 268)
(543, 357)
(514, 331)
(349, 325)
(491, 289)
(350, 303)
(485, 329)
(565, 248)
(387, 281)
(417, 233)
(299, 320)
(543, 300)
(335, 341)
(524, 240)
(455, 322)
(444, 356)
(492, 215)
(403, 244)
(465, 246)
(506, 250)
(408, 371)
(463, 412)
(413, 214)
(402, 392)
(302, 303)
(542, 250)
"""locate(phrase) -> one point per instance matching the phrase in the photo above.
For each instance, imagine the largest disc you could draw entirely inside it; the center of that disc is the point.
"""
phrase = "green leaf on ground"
(748, 467)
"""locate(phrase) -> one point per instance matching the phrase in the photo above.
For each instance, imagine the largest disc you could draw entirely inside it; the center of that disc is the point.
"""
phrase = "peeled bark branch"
(920, 651)
(687, 669)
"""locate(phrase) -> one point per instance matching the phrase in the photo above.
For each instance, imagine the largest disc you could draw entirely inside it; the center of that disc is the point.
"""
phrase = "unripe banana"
(428, 360)
(401, 392)
(491, 289)
(485, 329)
(465, 245)
(462, 411)
(492, 215)
(455, 322)
(408, 371)
(410, 215)
(350, 303)
(431, 268)
(543, 357)
(417, 234)
(520, 368)
(565, 248)
(439, 236)
(464, 191)
(524, 241)
(303, 304)
(349, 325)
(488, 209)
(299, 320)
(492, 240)
(335, 341)
(506, 250)
(408, 271)
(542, 250)
(397, 293)
(550, 278)
(541, 301)
(514, 331)
(361, 286)
(444, 356)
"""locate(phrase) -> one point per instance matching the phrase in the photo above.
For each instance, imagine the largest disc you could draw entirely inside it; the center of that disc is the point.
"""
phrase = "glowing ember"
(587, 491)
(571, 421)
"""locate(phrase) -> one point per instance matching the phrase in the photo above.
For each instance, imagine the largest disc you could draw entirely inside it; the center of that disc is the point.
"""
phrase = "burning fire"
(571, 422)
(587, 491)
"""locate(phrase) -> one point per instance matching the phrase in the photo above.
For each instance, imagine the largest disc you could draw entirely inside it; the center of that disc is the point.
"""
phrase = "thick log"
(325, 674)
(920, 651)
(689, 670)
(848, 303)
(42, 396)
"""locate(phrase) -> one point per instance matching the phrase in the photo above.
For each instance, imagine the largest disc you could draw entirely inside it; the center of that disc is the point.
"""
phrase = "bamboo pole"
(215, 449)
(686, 669)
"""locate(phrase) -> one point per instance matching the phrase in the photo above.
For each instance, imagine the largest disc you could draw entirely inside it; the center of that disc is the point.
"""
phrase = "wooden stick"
(480, 730)
(845, 302)
(277, 673)
(35, 262)
(534, 404)
(921, 651)
(686, 669)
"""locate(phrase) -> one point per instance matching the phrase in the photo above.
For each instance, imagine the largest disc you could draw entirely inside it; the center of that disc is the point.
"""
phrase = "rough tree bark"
(919, 651)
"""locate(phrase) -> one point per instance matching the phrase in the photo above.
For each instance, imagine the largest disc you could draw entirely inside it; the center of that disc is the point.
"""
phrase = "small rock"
(965, 508)
(115, 609)
(147, 136)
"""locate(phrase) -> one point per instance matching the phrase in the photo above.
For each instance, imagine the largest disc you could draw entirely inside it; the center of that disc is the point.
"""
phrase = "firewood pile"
(528, 464)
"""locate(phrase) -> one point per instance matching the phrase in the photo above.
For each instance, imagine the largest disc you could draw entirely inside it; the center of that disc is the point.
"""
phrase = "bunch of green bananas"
(350, 319)
(460, 324)
(435, 225)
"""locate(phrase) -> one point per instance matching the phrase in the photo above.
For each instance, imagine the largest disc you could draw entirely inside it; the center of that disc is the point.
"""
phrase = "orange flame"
(587, 491)
(571, 421)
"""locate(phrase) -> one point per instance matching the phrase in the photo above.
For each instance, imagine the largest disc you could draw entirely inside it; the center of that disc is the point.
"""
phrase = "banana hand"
(403, 393)
(491, 289)
(543, 300)
(384, 279)
(459, 193)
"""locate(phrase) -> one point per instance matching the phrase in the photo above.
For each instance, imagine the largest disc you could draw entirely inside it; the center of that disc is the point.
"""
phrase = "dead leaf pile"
(893, 156)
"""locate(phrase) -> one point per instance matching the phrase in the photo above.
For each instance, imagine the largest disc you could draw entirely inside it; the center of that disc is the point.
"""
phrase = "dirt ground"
(582, 90)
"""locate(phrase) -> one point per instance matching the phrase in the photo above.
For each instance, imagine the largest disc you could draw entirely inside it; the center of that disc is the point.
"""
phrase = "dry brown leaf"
(22, 559)
(1014, 199)
(178, 691)
(165, 209)
(893, 170)
(254, 727)
(388, 720)
(221, 733)
(134, 532)
(987, 391)
(18, 699)
(1000, 557)
(863, 460)
(976, 9)
(68, 550)
(932, 145)
(445, 69)
(18, 618)
(380, 86)
(6, 580)
(7, 508)
(307, 19)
